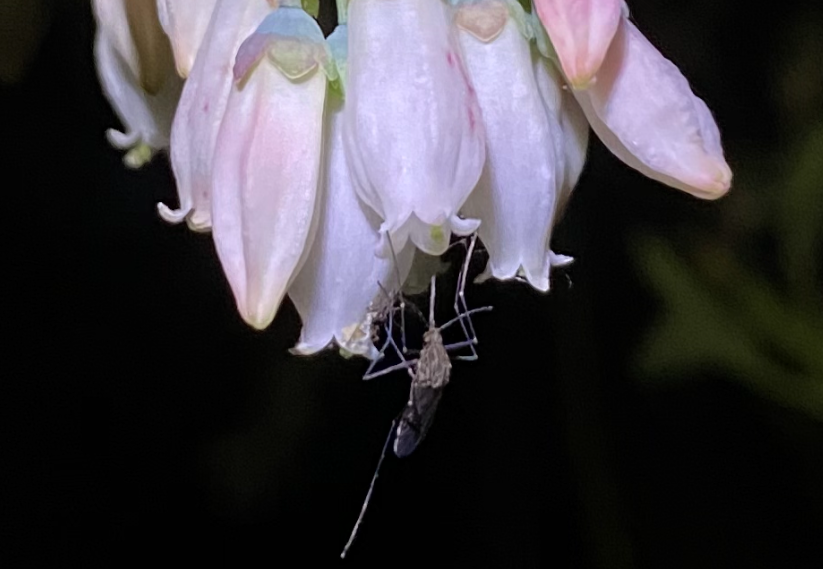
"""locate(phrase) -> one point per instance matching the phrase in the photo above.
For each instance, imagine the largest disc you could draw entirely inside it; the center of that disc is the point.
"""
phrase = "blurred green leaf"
(700, 331)
(799, 210)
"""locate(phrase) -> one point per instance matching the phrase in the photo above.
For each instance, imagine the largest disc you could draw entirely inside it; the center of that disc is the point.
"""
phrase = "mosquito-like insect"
(430, 373)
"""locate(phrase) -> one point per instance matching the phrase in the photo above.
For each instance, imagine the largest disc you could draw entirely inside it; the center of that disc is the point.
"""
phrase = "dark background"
(142, 420)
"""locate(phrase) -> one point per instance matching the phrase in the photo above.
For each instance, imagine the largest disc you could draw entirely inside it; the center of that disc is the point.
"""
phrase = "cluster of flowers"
(320, 165)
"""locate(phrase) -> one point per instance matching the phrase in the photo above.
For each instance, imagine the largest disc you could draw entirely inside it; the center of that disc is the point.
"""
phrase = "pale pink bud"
(580, 31)
(201, 109)
(266, 164)
(413, 131)
(643, 110)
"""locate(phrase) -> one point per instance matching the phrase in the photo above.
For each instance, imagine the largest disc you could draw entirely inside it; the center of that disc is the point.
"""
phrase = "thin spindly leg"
(389, 342)
(365, 505)
(460, 303)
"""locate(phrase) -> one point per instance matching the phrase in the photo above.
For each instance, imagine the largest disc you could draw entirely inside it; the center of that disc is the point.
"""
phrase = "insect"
(430, 372)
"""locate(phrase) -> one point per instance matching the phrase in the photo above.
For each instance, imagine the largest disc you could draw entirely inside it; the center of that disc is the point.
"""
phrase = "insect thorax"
(434, 366)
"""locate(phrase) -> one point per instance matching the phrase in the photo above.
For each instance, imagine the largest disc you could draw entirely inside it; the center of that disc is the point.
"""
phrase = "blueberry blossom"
(342, 276)
(266, 164)
(517, 195)
(136, 69)
(413, 132)
(202, 106)
(644, 111)
(444, 118)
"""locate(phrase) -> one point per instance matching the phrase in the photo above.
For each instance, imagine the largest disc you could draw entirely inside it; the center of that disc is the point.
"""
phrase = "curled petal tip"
(463, 226)
(173, 216)
(304, 349)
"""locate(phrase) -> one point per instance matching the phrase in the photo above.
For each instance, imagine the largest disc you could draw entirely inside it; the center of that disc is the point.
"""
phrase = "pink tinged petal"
(146, 117)
(202, 105)
(413, 132)
(517, 192)
(266, 171)
(581, 32)
(644, 111)
(185, 22)
(342, 275)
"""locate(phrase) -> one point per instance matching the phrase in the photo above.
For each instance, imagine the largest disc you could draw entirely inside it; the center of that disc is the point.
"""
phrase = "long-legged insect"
(430, 373)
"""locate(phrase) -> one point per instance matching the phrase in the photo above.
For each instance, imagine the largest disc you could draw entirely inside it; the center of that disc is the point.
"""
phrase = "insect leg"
(365, 505)
(460, 303)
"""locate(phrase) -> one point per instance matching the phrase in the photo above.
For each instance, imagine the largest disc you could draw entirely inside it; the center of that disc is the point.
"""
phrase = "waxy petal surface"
(202, 106)
(517, 193)
(413, 132)
(265, 181)
(644, 111)
(342, 275)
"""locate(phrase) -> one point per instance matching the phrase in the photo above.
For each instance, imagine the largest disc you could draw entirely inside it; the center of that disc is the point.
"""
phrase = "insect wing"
(416, 419)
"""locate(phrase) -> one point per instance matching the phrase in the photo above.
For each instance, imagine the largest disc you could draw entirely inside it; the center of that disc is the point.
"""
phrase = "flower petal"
(266, 172)
(202, 106)
(342, 275)
(516, 194)
(573, 135)
(581, 31)
(413, 131)
(644, 111)
(147, 117)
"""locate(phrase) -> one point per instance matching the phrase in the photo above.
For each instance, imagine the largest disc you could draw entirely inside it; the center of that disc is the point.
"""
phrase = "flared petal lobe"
(342, 275)
(516, 195)
(644, 111)
(413, 132)
(201, 109)
(266, 171)
(185, 22)
(137, 76)
(581, 32)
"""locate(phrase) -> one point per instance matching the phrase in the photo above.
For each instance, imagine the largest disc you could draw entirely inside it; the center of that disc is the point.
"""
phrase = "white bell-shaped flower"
(525, 161)
(342, 276)
(266, 164)
(202, 105)
(413, 131)
(136, 70)
(185, 22)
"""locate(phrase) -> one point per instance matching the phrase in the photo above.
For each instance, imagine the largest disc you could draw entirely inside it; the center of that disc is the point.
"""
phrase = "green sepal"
(311, 6)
